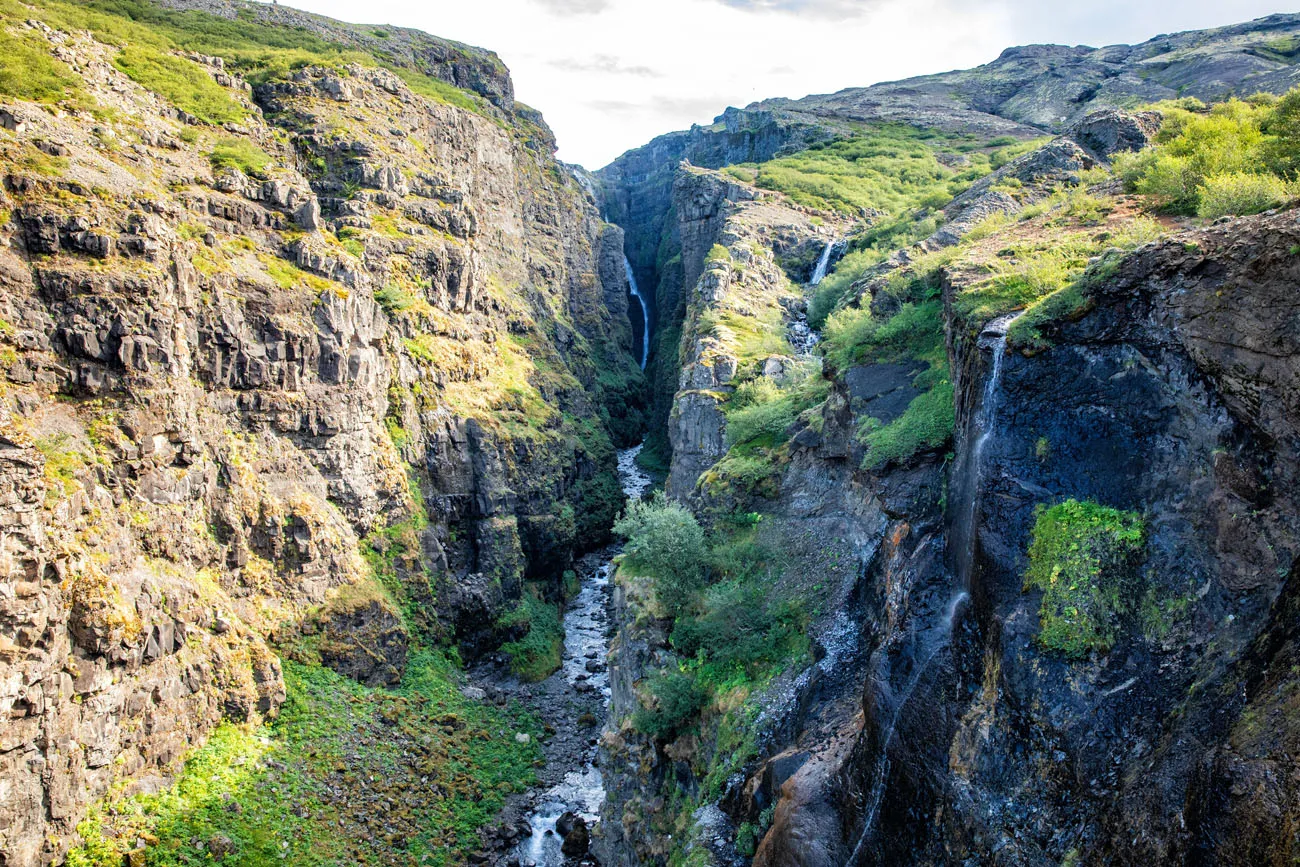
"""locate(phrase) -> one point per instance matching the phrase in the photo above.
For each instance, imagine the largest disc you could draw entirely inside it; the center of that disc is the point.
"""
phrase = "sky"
(609, 75)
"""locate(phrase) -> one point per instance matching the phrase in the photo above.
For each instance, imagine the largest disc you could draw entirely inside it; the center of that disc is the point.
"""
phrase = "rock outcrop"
(334, 376)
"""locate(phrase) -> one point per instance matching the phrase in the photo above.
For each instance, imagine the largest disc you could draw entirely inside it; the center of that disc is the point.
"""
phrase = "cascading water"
(582, 791)
(819, 273)
(994, 339)
(802, 337)
(645, 312)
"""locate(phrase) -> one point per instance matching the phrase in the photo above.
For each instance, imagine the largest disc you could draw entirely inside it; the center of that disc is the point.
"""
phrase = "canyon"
(332, 404)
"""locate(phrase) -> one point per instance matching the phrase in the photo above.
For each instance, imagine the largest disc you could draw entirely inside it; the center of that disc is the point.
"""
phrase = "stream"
(582, 677)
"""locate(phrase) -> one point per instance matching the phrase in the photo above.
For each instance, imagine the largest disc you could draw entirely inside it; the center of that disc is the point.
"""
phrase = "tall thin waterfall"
(645, 313)
(819, 273)
(994, 339)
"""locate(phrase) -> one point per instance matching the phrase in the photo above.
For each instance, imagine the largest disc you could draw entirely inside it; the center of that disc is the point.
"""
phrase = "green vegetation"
(1046, 276)
(539, 652)
(853, 335)
(1236, 157)
(666, 544)
(677, 699)
(730, 628)
(150, 34)
(926, 424)
(239, 153)
(886, 167)
(27, 71)
(1084, 558)
(437, 765)
(182, 82)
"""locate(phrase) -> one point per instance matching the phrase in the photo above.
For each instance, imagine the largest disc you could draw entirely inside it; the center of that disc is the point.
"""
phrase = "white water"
(645, 313)
(819, 273)
(802, 337)
(994, 339)
(586, 621)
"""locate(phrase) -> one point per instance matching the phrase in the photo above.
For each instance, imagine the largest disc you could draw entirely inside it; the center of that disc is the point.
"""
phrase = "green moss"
(1083, 557)
(181, 82)
(537, 654)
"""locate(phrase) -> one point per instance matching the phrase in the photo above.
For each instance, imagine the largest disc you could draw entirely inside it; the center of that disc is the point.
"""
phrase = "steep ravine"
(322, 383)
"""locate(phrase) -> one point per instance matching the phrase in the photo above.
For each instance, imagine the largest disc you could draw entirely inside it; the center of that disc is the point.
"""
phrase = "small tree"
(1282, 147)
(665, 543)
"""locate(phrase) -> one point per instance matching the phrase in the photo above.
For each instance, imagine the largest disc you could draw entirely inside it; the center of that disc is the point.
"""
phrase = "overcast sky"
(611, 74)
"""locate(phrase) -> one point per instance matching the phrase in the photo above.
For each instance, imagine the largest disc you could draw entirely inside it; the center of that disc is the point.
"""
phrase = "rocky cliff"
(941, 714)
(337, 355)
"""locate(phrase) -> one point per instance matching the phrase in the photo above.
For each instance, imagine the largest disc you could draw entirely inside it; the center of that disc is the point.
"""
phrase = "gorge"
(904, 475)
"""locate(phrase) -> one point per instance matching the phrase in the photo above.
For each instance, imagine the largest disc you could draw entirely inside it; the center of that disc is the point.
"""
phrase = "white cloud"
(611, 74)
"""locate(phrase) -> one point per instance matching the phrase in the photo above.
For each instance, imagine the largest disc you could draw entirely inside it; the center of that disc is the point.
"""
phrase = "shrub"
(539, 652)
(1239, 193)
(742, 629)
(767, 421)
(926, 424)
(1083, 557)
(239, 154)
(181, 82)
(676, 699)
(666, 543)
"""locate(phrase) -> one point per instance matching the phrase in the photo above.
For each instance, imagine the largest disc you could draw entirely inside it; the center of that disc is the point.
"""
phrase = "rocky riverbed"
(553, 822)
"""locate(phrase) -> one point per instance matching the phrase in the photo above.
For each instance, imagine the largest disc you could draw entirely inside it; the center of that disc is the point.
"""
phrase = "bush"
(540, 651)
(741, 629)
(1083, 557)
(766, 421)
(926, 424)
(676, 699)
(665, 543)
(1233, 158)
(1239, 193)
(181, 82)
(239, 154)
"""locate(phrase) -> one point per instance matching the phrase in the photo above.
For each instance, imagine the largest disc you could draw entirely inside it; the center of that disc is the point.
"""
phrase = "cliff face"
(934, 721)
(354, 320)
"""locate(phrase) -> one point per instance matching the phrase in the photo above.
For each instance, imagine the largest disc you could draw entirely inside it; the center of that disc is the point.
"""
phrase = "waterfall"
(645, 312)
(994, 339)
(819, 273)
(877, 794)
(802, 337)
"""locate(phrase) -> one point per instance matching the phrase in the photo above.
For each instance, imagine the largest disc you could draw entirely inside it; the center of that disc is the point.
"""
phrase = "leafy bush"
(1232, 158)
(742, 628)
(666, 543)
(1239, 193)
(239, 153)
(768, 421)
(1083, 557)
(540, 651)
(181, 82)
(676, 699)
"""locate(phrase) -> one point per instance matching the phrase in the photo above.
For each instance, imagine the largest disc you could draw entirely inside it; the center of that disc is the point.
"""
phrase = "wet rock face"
(1175, 397)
